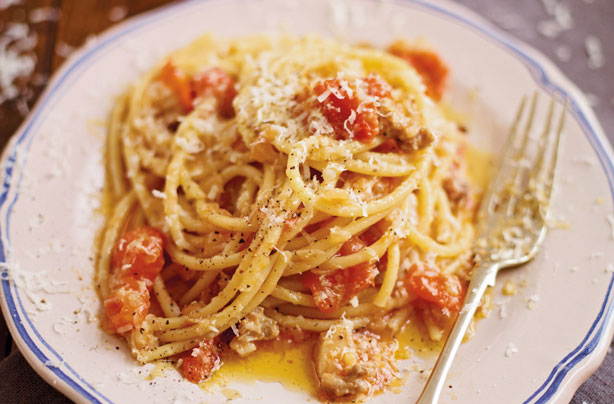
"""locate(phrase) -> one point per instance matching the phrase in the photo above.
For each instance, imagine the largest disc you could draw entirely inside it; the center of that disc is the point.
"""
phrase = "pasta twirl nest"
(269, 187)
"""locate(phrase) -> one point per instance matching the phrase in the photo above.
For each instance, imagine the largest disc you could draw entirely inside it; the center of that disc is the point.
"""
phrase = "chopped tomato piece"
(213, 81)
(221, 85)
(332, 290)
(127, 306)
(175, 79)
(359, 277)
(137, 259)
(328, 291)
(427, 63)
(350, 106)
(199, 363)
(446, 291)
(139, 253)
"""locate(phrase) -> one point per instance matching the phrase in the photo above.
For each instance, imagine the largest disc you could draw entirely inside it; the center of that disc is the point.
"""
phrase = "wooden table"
(58, 34)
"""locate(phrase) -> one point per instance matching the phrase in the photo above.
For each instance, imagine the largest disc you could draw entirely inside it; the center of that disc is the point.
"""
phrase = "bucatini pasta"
(272, 186)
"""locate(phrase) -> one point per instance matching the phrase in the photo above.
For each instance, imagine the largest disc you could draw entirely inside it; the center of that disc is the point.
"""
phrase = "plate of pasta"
(283, 208)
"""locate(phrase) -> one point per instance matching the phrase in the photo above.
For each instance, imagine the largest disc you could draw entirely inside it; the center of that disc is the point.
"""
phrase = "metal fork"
(512, 222)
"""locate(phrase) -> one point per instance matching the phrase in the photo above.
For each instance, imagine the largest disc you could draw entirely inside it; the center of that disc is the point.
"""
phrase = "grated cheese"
(32, 283)
(533, 299)
(43, 14)
(596, 255)
(64, 50)
(4, 4)
(158, 194)
(509, 288)
(192, 146)
(561, 19)
(16, 59)
(594, 51)
(510, 350)
(118, 13)
(548, 29)
(131, 376)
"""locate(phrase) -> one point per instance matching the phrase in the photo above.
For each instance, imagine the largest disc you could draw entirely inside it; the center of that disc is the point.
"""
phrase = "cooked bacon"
(254, 327)
(353, 364)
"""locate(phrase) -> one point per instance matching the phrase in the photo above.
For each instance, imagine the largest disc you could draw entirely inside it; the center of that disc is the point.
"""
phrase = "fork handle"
(484, 276)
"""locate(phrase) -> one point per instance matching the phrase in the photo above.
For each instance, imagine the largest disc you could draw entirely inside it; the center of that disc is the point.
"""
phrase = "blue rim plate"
(551, 378)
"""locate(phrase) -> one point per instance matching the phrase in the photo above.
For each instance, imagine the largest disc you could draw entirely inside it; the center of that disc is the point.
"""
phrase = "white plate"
(52, 174)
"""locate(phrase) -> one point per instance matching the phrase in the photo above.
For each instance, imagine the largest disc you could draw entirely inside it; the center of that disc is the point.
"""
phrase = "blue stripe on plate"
(69, 376)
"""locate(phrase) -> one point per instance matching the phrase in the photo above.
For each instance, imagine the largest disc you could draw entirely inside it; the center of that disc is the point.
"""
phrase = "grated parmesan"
(16, 59)
(158, 194)
(533, 299)
(64, 50)
(510, 350)
(118, 13)
(594, 51)
(43, 14)
(561, 19)
(192, 146)
(4, 4)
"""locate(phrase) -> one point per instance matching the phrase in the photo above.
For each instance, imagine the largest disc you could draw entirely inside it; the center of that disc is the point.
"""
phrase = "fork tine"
(519, 169)
(488, 200)
(547, 170)
(544, 142)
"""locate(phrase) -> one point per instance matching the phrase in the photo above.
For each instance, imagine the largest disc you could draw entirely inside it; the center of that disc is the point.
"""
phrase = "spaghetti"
(269, 187)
